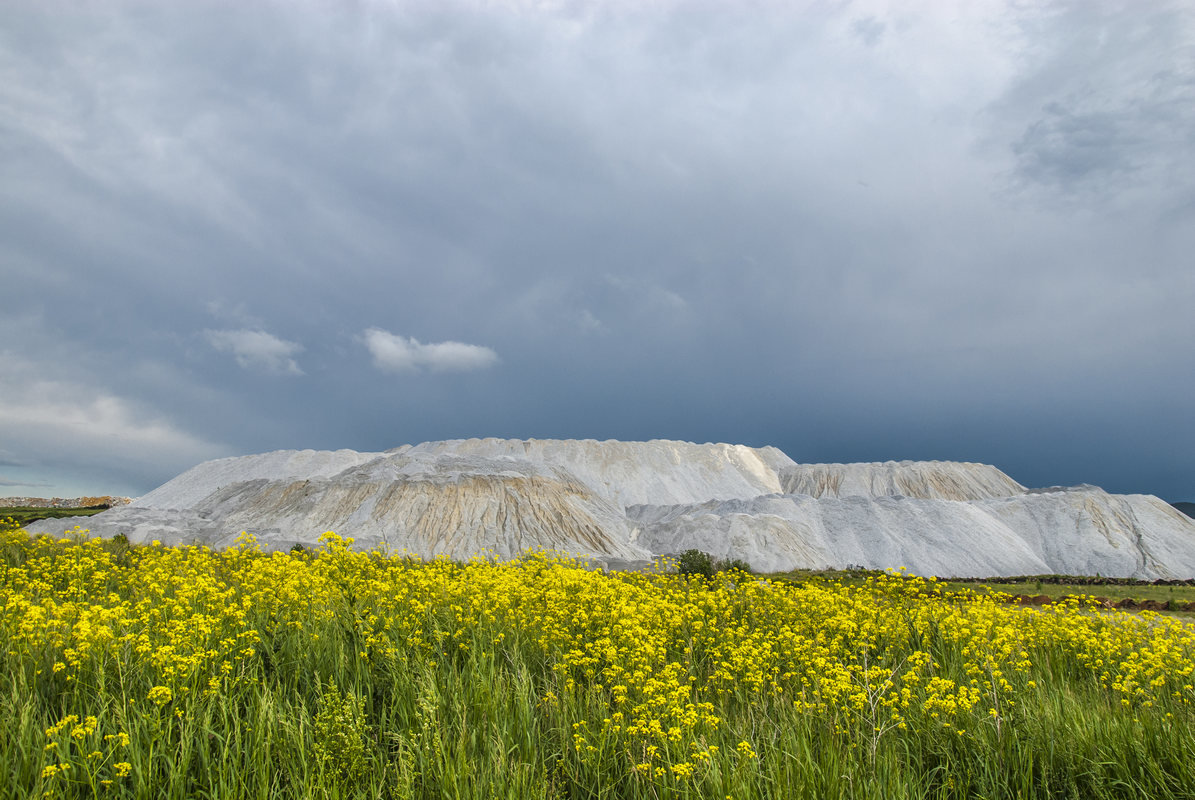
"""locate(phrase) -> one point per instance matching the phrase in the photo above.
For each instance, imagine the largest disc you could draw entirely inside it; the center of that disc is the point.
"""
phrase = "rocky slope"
(629, 501)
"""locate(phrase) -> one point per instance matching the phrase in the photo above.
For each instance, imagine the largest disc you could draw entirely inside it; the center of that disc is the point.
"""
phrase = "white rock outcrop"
(625, 502)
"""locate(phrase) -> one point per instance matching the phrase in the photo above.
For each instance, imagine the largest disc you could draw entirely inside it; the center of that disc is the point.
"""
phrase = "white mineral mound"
(421, 503)
(628, 501)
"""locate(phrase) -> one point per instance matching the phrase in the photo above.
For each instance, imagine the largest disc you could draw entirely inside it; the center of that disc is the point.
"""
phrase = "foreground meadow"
(160, 672)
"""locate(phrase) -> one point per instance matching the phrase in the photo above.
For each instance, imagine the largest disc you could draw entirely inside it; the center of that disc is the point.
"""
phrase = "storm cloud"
(852, 230)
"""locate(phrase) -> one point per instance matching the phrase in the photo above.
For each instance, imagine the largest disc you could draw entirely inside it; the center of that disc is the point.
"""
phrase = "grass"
(158, 672)
(1112, 591)
(25, 515)
(1052, 586)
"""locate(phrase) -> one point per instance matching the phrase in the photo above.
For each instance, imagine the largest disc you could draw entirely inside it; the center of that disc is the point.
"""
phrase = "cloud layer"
(857, 231)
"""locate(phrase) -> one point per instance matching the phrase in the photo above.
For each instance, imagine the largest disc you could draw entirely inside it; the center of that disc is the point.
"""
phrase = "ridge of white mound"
(659, 472)
(939, 480)
(189, 488)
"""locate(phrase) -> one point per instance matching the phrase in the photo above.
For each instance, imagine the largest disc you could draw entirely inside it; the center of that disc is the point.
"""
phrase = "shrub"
(695, 562)
(738, 564)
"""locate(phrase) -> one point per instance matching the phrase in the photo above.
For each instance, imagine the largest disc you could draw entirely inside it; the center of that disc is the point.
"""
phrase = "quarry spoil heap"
(624, 503)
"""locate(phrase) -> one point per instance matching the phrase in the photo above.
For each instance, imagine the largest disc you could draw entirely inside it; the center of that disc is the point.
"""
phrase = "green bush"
(697, 562)
(734, 564)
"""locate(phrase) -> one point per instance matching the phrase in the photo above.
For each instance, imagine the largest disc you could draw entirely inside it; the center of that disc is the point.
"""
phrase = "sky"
(856, 231)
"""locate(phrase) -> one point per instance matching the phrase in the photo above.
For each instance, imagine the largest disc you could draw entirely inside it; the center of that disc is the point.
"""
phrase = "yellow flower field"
(154, 671)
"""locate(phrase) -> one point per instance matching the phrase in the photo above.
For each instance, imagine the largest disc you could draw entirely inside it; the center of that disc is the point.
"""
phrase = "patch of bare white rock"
(626, 502)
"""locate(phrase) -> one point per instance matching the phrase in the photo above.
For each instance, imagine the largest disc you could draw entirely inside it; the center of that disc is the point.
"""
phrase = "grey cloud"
(236, 313)
(1103, 112)
(1065, 148)
(32, 485)
(1070, 148)
(869, 29)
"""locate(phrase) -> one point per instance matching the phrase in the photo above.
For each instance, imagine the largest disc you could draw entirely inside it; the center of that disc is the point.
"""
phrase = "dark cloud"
(849, 233)
(869, 30)
(1066, 148)
(8, 459)
(9, 482)
(1109, 108)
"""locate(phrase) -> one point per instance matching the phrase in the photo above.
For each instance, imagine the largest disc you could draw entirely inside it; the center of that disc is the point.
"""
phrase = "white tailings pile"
(629, 501)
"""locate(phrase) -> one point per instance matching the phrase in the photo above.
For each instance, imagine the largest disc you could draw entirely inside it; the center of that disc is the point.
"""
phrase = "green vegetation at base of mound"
(1157, 595)
(24, 515)
(1179, 593)
(1175, 595)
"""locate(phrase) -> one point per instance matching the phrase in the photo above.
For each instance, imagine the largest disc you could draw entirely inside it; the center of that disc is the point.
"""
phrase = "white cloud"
(258, 350)
(83, 428)
(400, 354)
(70, 415)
